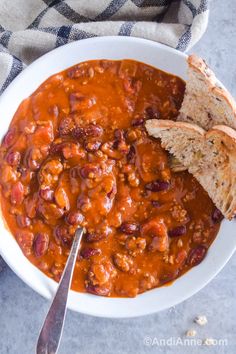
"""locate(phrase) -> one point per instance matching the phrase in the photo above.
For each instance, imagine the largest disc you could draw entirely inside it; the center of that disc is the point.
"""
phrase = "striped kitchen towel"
(30, 28)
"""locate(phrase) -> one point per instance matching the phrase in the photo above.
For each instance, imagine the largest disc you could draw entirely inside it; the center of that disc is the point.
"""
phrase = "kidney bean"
(62, 199)
(177, 231)
(157, 186)
(152, 113)
(74, 218)
(88, 252)
(23, 221)
(46, 194)
(92, 146)
(196, 255)
(137, 122)
(66, 126)
(131, 154)
(120, 143)
(10, 137)
(119, 134)
(63, 236)
(97, 290)
(90, 171)
(40, 245)
(217, 216)
(56, 148)
(93, 237)
(78, 132)
(13, 158)
(93, 130)
(17, 193)
(168, 276)
(129, 228)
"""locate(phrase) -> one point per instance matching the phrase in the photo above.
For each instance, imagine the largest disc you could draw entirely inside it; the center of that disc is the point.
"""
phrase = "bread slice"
(205, 102)
(209, 155)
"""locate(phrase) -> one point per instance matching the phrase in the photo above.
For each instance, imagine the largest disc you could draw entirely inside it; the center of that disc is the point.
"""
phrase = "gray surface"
(22, 310)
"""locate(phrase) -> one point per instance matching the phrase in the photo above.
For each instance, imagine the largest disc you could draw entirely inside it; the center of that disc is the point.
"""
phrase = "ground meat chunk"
(101, 274)
(123, 262)
(148, 281)
(178, 213)
(135, 245)
(50, 172)
(25, 240)
(156, 229)
(200, 233)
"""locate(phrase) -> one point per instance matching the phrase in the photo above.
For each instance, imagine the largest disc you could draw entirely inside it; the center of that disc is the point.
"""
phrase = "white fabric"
(30, 28)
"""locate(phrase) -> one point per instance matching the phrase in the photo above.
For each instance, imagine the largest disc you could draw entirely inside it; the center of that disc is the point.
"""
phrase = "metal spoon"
(50, 335)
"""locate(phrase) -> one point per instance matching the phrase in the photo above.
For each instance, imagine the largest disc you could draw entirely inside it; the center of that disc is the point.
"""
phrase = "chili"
(77, 153)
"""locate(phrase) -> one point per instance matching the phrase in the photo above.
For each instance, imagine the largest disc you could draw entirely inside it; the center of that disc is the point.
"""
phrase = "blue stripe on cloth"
(63, 9)
(150, 3)
(5, 37)
(51, 3)
(191, 7)
(202, 7)
(111, 9)
(16, 68)
(63, 35)
(37, 20)
(69, 13)
(184, 39)
(52, 30)
(77, 34)
(126, 28)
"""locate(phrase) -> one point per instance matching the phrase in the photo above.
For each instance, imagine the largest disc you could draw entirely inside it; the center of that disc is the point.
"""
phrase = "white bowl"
(154, 300)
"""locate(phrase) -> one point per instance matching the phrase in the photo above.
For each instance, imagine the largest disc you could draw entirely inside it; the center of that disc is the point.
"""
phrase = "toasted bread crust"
(216, 172)
(198, 64)
(222, 109)
(164, 124)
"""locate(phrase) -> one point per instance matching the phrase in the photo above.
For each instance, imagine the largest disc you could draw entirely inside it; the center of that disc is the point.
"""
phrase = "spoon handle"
(50, 335)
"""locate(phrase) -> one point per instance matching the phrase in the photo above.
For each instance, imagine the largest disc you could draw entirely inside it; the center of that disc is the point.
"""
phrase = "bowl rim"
(114, 307)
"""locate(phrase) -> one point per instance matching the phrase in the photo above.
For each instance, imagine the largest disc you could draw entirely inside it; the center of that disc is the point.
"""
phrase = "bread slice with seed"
(205, 103)
(209, 155)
